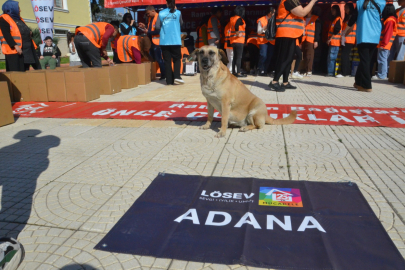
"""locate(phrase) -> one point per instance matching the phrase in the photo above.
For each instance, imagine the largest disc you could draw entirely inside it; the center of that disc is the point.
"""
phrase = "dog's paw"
(243, 129)
(220, 134)
(205, 127)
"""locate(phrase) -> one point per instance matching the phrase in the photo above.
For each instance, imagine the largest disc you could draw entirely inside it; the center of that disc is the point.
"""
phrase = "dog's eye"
(211, 53)
(201, 52)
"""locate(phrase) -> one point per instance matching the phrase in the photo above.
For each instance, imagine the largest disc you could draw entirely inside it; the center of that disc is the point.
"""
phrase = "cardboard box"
(21, 88)
(110, 80)
(143, 73)
(56, 85)
(396, 71)
(153, 71)
(82, 85)
(37, 86)
(129, 78)
(6, 112)
(6, 77)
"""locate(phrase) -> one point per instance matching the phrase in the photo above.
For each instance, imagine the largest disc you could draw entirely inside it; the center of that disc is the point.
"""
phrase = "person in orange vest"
(214, 29)
(266, 46)
(334, 38)
(114, 41)
(290, 26)
(153, 34)
(238, 34)
(133, 49)
(16, 39)
(310, 41)
(348, 42)
(398, 46)
(202, 37)
(298, 58)
(228, 45)
(254, 51)
(388, 35)
(91, 42)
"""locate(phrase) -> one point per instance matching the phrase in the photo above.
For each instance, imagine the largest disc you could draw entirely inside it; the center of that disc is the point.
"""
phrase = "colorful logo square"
(285, 197)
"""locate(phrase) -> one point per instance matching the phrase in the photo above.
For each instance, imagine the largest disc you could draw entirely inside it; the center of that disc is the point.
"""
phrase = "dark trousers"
(172, 52)
(298, 57)
(15, 62)
(237, 57)
(363, 74)
(345, 59)
(254, 56)
(308, 52)
(284, 52)
(88, 53)
(266, 53)
(156, 54)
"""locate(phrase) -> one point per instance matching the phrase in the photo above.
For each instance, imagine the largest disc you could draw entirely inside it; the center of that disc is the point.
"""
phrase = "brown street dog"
(229, 96)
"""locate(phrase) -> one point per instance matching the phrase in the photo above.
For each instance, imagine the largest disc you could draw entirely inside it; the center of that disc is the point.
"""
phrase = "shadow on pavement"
(21, 164)
(78, 267)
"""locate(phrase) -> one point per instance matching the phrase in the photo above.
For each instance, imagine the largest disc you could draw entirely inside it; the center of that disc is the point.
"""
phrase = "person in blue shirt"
(369, 26)
(169, 23)
(128, 25)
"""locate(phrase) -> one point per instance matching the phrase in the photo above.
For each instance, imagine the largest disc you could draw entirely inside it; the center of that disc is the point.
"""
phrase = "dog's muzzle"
(205, 63)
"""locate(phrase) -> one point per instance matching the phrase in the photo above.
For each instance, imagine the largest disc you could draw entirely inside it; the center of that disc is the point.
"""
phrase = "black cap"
(48, 37)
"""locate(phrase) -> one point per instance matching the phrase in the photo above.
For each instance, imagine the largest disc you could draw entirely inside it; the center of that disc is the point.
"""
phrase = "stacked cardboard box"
(128, 75)
(396, 71)
(143, 73)
(56, 85)
(110, 80)
(6, 112)
(153, 71)
(82, 85)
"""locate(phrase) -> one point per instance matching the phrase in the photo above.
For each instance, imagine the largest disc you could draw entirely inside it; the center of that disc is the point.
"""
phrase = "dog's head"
(208, 57)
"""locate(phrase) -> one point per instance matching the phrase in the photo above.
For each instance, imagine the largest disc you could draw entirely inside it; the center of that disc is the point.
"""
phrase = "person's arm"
(352, 21)
(214, 22)
(300, 11)
(109, 31)
(238, 23)
(387, 33)
(150, 32)
(337, 28)
(158, 24)
(125, 31)
(259, 28)
(181, 21)
(204, 35)
(137, 55)
(5, 29)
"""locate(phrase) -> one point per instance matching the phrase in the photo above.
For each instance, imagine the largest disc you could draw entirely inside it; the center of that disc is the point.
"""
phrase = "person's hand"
(41, 57)
(105, 53)
(240, 34)
(132, 22)
(315, 45)
(18, 49)
(110, 62)
(141, 25)
(53, 56)
(217, 42)
(328, 42)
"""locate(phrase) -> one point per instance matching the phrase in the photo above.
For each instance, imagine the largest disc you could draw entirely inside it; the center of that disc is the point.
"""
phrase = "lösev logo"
(285, 197)
(218, 196)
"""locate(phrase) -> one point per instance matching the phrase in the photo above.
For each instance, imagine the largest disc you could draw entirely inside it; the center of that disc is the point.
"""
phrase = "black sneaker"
(288, 86)
(162, 78)
(262, 74)
(276, 87)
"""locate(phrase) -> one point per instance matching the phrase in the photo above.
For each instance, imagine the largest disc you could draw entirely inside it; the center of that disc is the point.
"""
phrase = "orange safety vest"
(394, 34)
(351, 37)
(228, 29)
(401, 22)
(335, 40)
(262, 39)
(15, 33)
(113, 41)
(155, 38)
(210, 29)
(242, 29)
(94, 32)
(254, 39)
(200, 42)
(310, 30)
(124, 45)
(292, 26)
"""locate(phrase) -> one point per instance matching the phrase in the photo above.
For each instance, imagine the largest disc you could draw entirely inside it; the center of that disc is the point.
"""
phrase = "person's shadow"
(21, 164)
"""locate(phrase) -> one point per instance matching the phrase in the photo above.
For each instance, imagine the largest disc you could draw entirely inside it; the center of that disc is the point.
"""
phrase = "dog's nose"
(204, 60)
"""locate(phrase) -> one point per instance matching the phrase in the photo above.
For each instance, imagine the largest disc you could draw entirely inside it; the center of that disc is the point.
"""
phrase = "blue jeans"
(332, 55)
(266, 53)
(156, 54)
(398, 49)
(382, 61)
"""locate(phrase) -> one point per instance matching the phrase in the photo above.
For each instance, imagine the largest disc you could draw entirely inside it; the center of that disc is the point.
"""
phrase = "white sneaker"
(339, 76)
(179, 81)
(297, 75)
(309, 74)
(375, 77)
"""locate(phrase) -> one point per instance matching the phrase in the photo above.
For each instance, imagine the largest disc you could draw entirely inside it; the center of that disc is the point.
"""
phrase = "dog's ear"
(194, 55)
(223, 57)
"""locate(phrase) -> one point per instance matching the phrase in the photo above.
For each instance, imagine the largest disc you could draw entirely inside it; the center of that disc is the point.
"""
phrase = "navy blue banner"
(255, 222)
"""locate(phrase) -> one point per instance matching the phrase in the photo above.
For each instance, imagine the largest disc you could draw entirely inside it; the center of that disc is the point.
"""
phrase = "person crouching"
(133, 48)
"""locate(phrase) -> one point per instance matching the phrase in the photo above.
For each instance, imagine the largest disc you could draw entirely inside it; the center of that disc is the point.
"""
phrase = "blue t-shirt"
(170, 32)
(369, 22)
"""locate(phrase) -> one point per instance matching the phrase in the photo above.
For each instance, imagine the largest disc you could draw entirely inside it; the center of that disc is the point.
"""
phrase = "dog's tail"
(284, 121)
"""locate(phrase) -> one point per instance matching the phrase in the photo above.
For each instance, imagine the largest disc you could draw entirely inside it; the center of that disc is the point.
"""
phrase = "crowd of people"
(374, 27)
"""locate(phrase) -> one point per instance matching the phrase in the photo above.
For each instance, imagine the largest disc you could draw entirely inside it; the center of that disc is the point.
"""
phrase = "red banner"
(197, 111)
(131, 3)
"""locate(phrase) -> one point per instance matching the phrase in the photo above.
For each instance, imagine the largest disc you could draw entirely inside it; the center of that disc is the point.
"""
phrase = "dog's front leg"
(226, 109)
(210, 116)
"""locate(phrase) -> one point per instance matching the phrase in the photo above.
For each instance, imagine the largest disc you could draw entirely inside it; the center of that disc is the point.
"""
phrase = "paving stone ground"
(64, 183)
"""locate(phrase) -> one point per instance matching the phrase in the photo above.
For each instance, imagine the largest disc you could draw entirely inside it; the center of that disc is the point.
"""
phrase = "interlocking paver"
(65, 183)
